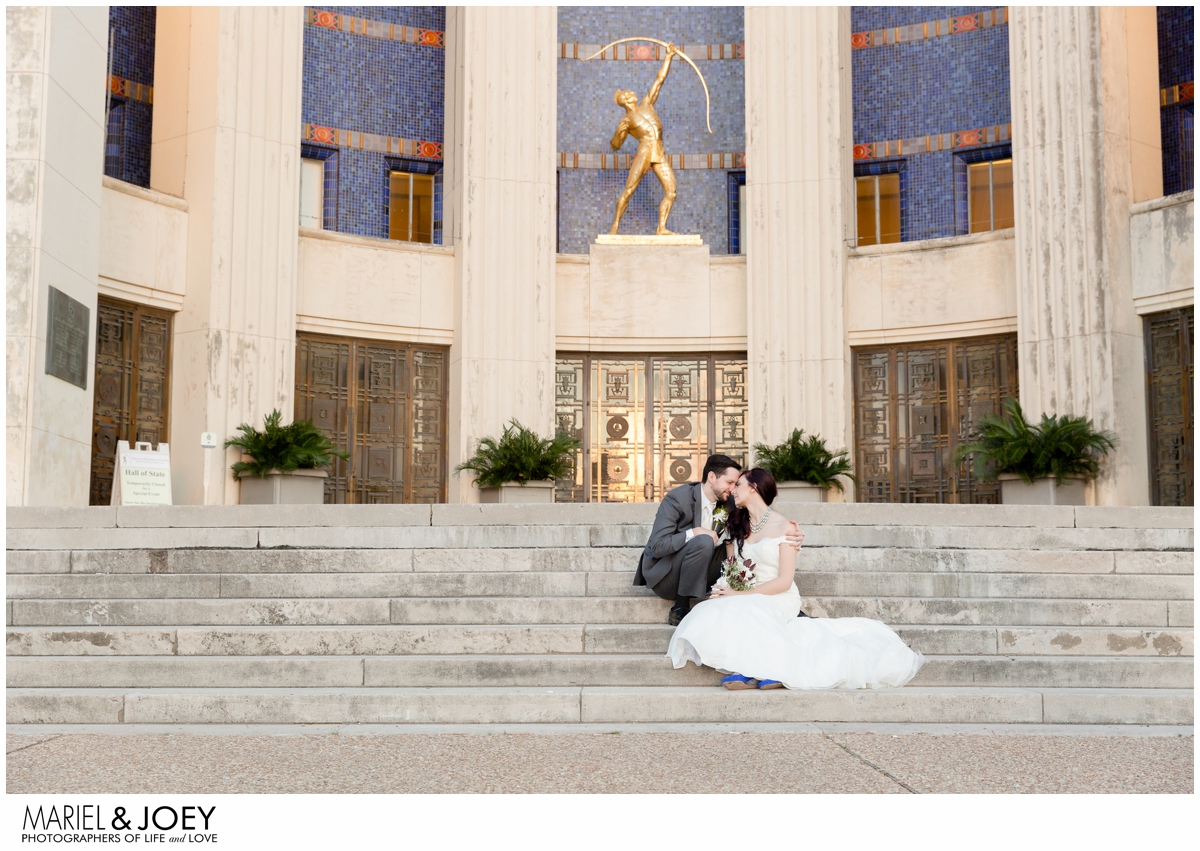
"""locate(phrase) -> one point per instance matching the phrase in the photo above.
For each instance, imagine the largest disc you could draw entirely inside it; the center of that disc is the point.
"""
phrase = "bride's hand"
(721, 591)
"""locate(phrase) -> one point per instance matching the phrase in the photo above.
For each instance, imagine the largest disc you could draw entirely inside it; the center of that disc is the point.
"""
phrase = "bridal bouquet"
(739, 577)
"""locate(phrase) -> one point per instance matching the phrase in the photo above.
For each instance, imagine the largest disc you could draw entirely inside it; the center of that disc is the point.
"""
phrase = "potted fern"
(1045, 464)
(520, 466)
(803, 467)
(283, 462)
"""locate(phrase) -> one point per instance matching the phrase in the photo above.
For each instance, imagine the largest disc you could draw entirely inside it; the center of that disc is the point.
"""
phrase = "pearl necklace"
(757, 527)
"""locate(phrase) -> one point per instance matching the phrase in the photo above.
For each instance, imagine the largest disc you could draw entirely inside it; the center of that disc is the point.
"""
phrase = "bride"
(755, 636)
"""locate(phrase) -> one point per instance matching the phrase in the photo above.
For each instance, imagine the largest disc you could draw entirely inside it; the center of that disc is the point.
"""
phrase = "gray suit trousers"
(693, 569)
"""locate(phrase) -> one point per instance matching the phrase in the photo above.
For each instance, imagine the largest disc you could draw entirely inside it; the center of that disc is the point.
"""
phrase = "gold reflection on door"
(647, 424)
(617, 445)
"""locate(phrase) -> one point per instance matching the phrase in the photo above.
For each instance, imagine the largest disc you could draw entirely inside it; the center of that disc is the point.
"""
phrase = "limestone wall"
(932, 290)
(143, 245)
(375, 288)
(1163, 244)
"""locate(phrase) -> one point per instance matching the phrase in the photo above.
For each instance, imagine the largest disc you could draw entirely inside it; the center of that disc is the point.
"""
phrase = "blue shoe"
(766, 684)
(735, 682)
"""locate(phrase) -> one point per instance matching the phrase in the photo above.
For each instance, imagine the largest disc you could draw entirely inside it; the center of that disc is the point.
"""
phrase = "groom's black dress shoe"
(679, 611)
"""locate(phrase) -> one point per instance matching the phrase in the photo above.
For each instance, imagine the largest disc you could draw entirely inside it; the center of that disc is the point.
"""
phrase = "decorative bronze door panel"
(618, 426)
(913, 405)
(132, 387)
(570, 414)
(385, 404)
(647, 424)
(1170, 338)
(682, 423)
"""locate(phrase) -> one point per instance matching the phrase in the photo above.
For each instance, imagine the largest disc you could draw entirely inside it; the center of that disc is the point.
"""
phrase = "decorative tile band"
(650, 52)
(373, 29)
(129, 89)
(682, 162)
(371, 142)
(930, 29)
(928, 144)
(1181, 93)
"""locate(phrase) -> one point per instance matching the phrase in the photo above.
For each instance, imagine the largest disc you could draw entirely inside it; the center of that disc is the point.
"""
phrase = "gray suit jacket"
(681, 509)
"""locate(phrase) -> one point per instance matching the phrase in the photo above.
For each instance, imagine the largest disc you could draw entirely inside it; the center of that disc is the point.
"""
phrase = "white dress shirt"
(707, 508)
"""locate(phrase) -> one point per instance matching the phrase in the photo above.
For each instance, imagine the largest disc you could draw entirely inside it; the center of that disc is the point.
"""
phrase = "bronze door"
(133, 372)
(384, 403)
(1170, 337)
(914, 403)
(647, 424)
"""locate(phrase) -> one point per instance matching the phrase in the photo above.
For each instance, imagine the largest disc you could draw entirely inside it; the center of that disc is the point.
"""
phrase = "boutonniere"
(720, 515)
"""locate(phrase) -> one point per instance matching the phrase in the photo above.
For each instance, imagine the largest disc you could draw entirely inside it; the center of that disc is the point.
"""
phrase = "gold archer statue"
(641, 121)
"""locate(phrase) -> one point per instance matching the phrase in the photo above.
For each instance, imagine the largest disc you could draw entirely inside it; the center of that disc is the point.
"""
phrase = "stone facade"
(489, 102)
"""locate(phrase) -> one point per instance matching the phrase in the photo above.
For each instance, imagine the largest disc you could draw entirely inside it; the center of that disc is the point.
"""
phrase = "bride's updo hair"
(739, 518)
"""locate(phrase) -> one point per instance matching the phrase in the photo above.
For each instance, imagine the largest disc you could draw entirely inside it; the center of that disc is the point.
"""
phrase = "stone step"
(544, 670)
(872, 514)
(387, 640)
(598, 705)
(1007, 585)
(951, 610)
(581, 560)
(896, 611)
(298, 585)
(575, 584)
(581, 536)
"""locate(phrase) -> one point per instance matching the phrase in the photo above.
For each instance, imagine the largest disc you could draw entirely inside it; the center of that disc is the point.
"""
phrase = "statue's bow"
(681, 55)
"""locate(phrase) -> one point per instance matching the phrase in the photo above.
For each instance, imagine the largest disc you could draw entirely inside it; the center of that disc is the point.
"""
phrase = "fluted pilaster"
(1079, 338)
(501, 118)
(235, 339)
(800, 180)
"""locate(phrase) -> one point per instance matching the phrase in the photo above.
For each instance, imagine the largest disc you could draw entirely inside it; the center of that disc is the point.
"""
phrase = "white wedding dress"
(759, 636)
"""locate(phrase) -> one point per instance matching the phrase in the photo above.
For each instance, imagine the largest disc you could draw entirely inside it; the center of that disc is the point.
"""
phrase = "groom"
(683, 558)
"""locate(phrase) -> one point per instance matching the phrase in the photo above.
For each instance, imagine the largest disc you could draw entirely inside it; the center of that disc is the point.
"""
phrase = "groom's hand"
(795, 536)
(700, 530)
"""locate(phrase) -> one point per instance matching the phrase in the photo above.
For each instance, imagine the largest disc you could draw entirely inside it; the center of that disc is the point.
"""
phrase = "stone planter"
(1013, 491)
(800, 492)
(511, 492)
(300, 487)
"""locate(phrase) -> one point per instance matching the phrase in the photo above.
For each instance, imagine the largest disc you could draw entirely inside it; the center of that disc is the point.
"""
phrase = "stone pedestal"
(1080, 162)
(511, 493)
(799, 180)
(501, 84)
(1013, 491)
(299, 487)
(799, 492)
(55, 59)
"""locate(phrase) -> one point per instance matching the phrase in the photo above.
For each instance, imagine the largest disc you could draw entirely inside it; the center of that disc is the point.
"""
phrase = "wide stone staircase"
(499, 614)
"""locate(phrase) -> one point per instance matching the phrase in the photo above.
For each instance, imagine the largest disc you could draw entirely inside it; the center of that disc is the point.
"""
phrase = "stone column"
(501, 118)
(1079, 338)
(799, 179)
(235, 339)
(55, 60)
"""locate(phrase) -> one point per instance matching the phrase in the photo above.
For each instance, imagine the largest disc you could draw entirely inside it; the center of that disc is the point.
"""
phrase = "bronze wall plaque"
(67, 339)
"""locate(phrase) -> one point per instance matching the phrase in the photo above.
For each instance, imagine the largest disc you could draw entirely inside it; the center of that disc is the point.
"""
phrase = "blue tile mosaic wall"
(1176, 64)
(127, 142)
(935, 85)
(371, 85)
(587, 118)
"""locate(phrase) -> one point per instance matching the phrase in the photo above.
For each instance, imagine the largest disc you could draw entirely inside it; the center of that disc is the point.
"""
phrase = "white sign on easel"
(143, 475)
